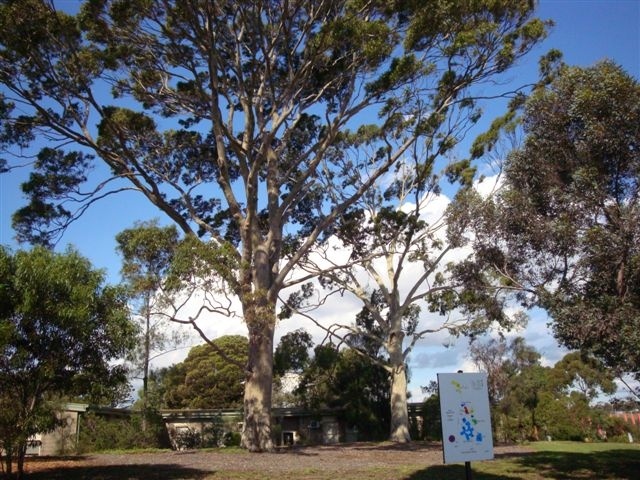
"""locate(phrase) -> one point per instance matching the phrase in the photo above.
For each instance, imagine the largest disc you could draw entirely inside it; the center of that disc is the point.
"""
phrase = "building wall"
(185, 427)
(294, 426)
(297, 426)
(63, 439)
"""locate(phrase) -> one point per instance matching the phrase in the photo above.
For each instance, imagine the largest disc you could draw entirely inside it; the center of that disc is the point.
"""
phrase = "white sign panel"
(466, 418)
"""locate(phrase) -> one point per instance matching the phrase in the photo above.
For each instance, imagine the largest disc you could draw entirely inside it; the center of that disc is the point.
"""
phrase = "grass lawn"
(551, 460)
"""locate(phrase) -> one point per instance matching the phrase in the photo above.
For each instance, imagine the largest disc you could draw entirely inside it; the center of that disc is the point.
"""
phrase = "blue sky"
(586, 31)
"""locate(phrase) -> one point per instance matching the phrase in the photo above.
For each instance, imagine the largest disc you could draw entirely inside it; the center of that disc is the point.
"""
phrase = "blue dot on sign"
(452, 438)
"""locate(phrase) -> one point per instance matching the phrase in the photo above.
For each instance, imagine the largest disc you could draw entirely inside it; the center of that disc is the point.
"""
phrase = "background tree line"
(569, 401)
(531, 402)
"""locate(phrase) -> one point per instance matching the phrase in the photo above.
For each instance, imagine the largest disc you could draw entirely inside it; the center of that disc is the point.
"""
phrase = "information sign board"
(466, 418)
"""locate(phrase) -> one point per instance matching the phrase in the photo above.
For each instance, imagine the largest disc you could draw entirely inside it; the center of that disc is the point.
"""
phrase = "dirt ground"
(337, 461)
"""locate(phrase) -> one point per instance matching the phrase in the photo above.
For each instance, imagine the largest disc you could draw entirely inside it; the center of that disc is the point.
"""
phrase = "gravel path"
(343, 460)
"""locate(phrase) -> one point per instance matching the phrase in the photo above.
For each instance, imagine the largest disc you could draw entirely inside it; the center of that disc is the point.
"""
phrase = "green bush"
(432, 423)
(100, 432)
(276, 433)
(232, 439)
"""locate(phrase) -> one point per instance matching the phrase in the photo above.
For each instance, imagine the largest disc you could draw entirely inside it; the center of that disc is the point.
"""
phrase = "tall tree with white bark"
(409, 267)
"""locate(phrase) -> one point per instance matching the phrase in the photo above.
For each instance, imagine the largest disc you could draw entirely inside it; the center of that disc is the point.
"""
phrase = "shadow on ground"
(456, 472)
(119, 472)
(610, 464)
(606, 465)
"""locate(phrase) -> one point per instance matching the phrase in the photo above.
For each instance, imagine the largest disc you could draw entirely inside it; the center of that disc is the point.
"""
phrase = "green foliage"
(18, 423)
(188, 439)
(147, 252)
(61, 330)
(585, 374)
(567, 417)
(100, 432)
(194, 259)
(210, 377)
(292, 352)
(569, 215)
(529, 401)
(217, 434)
(431, 418)
(351, 382)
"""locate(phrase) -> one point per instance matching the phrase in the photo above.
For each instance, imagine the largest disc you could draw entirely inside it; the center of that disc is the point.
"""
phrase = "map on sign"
(466, 418)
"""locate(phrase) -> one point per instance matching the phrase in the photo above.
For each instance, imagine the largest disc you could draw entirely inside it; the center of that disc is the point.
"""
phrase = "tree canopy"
(292, 352)
(251, 125)
(147, 251)
(205, 379)
(528, 398)
(61, 330)
(345, 380)
(565, 230)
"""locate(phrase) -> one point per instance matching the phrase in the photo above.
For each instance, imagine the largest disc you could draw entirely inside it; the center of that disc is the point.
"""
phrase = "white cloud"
(487, 186)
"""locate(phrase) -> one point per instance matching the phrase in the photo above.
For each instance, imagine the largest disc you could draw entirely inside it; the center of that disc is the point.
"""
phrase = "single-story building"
(291, 426)
(64, 438)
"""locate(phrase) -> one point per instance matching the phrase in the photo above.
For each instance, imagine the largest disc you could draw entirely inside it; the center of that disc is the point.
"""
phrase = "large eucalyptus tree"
(237, 119)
